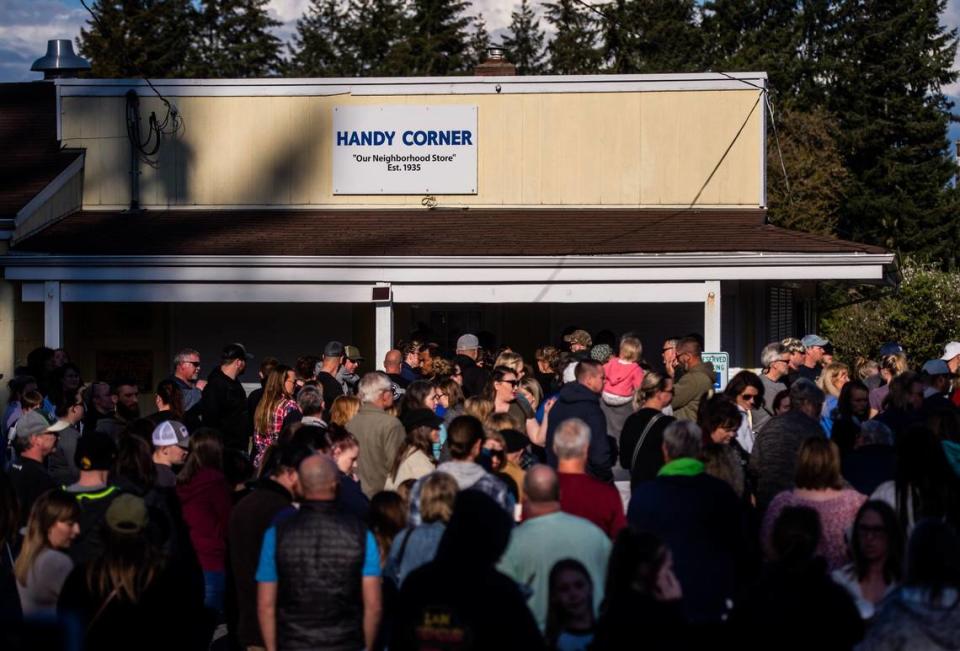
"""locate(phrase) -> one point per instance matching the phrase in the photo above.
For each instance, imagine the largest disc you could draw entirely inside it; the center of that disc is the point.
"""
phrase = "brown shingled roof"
(31, 156)
(425, 232)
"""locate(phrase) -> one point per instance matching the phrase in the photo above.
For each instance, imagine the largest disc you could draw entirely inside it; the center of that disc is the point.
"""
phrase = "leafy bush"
(922, 315)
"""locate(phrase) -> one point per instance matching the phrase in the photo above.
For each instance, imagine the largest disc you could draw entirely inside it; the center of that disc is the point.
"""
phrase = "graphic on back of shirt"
(442, 629)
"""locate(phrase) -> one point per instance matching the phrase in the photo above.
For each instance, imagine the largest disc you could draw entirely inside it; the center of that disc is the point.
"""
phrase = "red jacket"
(206, 510)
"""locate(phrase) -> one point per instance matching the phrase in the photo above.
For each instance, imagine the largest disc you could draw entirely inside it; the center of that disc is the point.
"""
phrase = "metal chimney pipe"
(60, 61)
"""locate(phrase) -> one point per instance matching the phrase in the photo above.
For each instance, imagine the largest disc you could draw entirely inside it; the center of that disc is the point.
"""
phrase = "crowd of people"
(587, 498)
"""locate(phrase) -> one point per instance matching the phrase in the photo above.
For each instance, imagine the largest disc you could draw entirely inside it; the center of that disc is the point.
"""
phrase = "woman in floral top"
(821, 488)
(275, 405)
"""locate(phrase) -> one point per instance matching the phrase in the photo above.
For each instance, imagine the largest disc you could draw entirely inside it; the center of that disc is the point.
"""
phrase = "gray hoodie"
(468, 475)
(908, 620)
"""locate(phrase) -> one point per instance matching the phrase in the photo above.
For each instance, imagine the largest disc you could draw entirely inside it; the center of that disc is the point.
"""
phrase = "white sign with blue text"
(405, 149)
(721, 368)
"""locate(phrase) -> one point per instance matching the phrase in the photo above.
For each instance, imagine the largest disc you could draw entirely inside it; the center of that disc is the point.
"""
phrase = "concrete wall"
(548, 149)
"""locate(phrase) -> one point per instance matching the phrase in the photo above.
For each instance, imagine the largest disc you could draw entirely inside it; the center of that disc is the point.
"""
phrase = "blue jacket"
(577, 401)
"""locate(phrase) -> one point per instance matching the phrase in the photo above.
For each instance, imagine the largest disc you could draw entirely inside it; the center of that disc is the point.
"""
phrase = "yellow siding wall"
(550, 149)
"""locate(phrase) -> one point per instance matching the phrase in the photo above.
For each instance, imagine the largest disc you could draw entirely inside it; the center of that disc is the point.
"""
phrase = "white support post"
(52, 315)
(383, 334)
(711, 316)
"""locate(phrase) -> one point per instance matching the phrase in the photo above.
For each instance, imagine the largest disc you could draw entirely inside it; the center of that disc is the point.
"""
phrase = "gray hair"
(873, 432)
(372, 385)
(571, 439)
(185, 352)
(771, 353)
(683, 438)
(803, 391)
(310, 400)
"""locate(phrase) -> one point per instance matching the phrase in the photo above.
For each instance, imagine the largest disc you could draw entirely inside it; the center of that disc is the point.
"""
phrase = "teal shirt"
(537, 544)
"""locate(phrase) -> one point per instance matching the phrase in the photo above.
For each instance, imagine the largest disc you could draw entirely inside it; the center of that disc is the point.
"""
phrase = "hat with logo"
(890, 348)
(127, 514)
(95, 451)
(352, 353)
(813, 340)
(31, 424)
(420, 418)
(936, 367)
(170, 432)
(333, 349)
(951, 350)
(233, 352)
(581, 337)
(468, 342)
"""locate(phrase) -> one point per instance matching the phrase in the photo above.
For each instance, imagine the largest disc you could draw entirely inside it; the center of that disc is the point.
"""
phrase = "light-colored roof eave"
(654, 260)
(277, 86)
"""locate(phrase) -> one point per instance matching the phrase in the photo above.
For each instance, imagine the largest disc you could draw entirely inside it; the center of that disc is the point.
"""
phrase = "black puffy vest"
(319, 559)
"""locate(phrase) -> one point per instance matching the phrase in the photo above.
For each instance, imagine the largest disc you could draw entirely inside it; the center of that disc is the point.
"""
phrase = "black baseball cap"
(95, 451)
(235, 351)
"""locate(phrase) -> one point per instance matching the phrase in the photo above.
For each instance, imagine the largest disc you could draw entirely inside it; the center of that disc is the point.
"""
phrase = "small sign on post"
(721, 368)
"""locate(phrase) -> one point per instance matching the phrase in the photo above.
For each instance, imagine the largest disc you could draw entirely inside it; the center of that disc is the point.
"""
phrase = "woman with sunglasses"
(745, 389)
(502, 391)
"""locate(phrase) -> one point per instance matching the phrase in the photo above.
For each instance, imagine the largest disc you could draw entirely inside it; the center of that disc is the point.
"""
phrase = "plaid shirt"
(263, 440)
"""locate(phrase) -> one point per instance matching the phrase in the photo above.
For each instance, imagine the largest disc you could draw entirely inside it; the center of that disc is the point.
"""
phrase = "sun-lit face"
(62, 533)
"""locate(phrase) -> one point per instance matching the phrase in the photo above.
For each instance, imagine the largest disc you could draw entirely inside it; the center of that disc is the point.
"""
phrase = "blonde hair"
(511, 360)
(54, 506)
(502, 421)
(479, 408)
(894, 364)
(273, 394)
(652, 384)
(343, 409)
(530, 384)
(437, 495)
(828, 378)
(866, 367)
(630, 349)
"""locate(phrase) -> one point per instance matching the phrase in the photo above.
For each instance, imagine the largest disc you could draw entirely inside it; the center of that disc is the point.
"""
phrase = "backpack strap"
(643, 437)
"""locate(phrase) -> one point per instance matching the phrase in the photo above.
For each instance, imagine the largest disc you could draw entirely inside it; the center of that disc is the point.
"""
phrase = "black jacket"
(224, 408)
(249, 520)
(650, 456)
(320, 554)
(475, 378)
(460, 596)
(700, 519)
(577, 401)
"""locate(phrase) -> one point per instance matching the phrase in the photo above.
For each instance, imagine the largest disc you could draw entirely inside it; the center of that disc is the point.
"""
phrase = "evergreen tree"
(524, 43)
(573, 48)
(436, 42)
(887, 69)
(774, 36)
(647, 36)
(371, 31)
(318, 45)
(139, 38)
(235, 40)
(479, 43)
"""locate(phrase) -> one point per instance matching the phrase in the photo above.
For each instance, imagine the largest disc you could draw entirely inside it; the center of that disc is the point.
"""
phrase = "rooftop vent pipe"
(60, 61)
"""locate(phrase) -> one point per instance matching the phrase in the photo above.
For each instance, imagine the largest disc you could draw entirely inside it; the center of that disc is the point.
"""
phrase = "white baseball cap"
(170, 432)
(951, 350)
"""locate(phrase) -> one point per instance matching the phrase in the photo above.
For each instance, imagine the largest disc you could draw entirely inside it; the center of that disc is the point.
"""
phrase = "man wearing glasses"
(697, 379)
(35, 440)
(186, 372)
(776, 364)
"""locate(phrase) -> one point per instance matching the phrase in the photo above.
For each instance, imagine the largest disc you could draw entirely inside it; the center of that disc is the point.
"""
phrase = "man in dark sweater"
(774, 456)
(224, 401)
(581, 399)
(699, 519)
(249, 520)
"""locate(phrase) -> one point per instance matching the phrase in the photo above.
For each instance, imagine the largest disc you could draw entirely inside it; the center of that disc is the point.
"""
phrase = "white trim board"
(417, 275)
(694, 292)
(417, 85)
(50, 189)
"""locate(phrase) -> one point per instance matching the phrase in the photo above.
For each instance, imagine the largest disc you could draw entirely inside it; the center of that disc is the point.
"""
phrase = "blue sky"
(26, 25)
